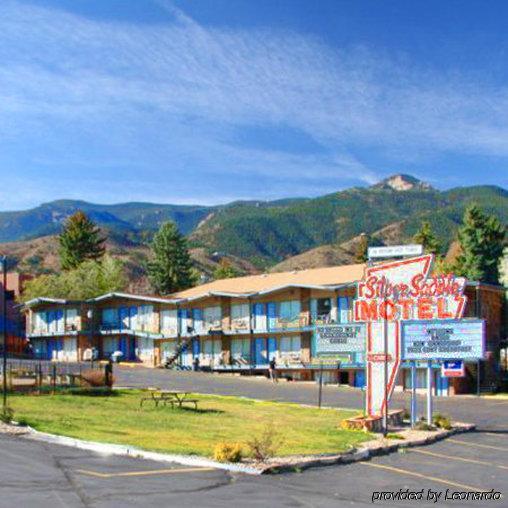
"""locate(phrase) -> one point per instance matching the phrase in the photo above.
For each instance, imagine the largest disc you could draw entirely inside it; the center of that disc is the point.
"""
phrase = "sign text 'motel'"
(390, 294)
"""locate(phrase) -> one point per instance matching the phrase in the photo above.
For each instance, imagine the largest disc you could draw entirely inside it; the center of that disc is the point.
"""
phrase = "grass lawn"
(118, 419)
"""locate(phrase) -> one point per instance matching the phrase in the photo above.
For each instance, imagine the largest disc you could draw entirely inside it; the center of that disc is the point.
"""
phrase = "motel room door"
(124, 318)
(359, 378)
(127, 345)
(272, 348)
(261, 352)
(55, 346)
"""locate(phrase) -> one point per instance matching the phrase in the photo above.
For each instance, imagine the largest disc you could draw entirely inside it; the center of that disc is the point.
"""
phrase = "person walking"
(272, 370)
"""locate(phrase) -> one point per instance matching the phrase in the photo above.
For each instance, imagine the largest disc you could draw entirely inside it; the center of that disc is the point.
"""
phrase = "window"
(289, 310)
(168, 348)
(169, 321)
(321, 310)
(212, 317)
(145, 347)
(212, 352)
(40, 322)
(240, 316)
(145, 318)
(109, 346)
(324, 306)
(240, 350)
(288, 315)
(71, 319)
(290, 348)
(110, 318)
(70, 350)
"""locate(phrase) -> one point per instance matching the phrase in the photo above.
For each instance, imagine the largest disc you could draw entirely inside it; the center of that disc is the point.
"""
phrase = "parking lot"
(35, 474)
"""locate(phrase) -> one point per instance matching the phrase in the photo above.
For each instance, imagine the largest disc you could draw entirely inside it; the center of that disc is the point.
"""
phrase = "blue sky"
(207, 101)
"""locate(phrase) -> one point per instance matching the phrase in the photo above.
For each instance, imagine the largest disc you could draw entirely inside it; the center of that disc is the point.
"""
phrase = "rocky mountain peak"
(402, 183)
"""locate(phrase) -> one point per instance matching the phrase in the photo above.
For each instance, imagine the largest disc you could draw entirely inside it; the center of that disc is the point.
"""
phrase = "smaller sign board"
(443, 340)
(394, 251)
(379, 357)
(454, 368)
(346, 338)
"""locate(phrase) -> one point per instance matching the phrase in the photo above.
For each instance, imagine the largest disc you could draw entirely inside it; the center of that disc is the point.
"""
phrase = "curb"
(188, 460)
(363, 453)
(131, 451)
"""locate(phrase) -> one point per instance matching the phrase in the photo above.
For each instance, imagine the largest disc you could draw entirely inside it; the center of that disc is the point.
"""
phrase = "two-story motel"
(236, 325)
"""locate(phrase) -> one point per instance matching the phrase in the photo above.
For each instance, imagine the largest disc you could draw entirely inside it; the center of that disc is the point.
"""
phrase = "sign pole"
(478, 378)
(4, 329)
(320, 393)
(429, 392)
(414, 414)
(385, 376)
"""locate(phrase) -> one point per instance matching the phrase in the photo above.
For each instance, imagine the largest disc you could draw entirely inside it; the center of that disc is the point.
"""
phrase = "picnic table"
(168, 396)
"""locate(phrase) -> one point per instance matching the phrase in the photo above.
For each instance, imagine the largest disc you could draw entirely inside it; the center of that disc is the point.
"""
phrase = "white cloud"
(155, 94)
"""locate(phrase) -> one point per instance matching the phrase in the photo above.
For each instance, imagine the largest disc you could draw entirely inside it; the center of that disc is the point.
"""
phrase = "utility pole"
(4, 328)
(320, 391)
(385, 373)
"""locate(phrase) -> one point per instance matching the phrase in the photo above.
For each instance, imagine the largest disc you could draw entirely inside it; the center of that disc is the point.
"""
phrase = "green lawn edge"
(118, 419)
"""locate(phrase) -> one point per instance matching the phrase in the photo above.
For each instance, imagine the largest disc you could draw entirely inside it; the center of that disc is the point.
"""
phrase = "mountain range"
(259, 235)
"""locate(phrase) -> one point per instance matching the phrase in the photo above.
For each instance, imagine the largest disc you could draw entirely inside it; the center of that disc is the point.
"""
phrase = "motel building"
(238, 325)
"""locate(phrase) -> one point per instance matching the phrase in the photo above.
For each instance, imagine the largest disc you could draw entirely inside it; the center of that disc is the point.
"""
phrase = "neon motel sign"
(389, 294)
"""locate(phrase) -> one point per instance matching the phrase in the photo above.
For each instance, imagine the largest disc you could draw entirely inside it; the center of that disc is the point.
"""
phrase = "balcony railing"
(284, 323)
(240, 324)
(323, 319)
(212, 325)
(45, 331)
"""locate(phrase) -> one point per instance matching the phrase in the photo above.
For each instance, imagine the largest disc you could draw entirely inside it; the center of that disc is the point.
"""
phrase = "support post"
(385, 374)
(414, 409)
(4, 328)
(54, 378)
(320, 392)
(478, 381)
(429, 392)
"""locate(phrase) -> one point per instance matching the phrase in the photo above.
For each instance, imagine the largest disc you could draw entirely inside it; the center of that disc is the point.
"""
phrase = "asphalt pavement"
(36, 474)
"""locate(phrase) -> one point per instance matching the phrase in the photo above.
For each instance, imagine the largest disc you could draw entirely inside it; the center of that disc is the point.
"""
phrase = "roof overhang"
(44, 301)
(129, 296)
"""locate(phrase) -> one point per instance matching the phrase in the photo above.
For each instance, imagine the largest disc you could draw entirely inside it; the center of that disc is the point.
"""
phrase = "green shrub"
(265, 445)
(6, 414)
(393, 435)
(441, 421)
(423, 425)
(228, 452)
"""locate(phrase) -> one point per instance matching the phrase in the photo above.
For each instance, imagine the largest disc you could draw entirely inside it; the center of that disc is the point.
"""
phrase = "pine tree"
(80, 240)
(481, 239)
(361, 255)
(426, 237)
(225, 270)
(170, 269)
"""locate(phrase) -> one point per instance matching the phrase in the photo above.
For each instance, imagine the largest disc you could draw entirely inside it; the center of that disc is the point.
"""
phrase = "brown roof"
(333, 275)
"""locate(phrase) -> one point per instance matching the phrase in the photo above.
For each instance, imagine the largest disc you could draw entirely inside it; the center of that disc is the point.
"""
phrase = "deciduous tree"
(225, 270)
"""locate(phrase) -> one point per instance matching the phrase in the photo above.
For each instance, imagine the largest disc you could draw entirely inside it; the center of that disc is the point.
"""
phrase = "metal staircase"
(170, 362)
